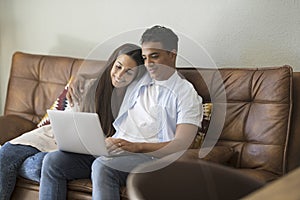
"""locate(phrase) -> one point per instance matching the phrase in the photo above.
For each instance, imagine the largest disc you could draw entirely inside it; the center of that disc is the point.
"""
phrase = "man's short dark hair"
(165, 36)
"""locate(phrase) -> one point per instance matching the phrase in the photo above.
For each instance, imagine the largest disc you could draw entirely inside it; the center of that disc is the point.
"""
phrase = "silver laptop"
(78, 132)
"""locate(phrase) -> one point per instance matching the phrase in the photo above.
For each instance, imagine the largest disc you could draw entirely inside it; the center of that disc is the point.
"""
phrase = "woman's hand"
(75, 90)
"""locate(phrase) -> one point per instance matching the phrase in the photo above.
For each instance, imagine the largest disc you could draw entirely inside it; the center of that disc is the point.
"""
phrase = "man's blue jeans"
(109, 174)
(17, 160)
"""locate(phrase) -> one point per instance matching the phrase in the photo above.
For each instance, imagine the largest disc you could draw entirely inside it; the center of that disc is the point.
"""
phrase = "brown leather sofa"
(259, 110)
(261, 125)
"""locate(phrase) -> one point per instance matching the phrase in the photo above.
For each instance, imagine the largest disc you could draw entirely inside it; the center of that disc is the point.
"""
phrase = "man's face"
(159, 62)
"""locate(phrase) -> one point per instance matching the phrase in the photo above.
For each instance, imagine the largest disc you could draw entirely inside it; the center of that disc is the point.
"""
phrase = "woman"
(121, 69)
(111, 88)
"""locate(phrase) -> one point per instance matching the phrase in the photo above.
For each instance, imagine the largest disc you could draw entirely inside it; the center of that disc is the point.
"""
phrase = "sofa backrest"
(257, 105)
(37, 80)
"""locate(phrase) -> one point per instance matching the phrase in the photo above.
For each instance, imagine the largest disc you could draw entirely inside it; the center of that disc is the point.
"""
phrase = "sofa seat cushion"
(261, 175)
(26, 189)
(77, 188)
(28, 184)
(218, 154)
(83, 185)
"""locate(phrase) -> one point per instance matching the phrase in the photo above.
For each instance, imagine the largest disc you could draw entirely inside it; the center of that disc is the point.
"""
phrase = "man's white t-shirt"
(151, 109)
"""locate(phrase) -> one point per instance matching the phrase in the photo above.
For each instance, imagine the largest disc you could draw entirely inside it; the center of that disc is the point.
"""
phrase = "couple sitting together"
(145, 108)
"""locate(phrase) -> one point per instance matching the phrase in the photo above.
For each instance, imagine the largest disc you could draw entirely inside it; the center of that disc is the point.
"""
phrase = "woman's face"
(123, 71)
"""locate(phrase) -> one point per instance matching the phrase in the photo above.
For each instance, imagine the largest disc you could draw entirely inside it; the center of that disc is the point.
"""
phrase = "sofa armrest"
(12, 126)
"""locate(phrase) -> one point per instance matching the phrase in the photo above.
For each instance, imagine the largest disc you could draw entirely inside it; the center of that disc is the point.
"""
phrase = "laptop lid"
(78, 132)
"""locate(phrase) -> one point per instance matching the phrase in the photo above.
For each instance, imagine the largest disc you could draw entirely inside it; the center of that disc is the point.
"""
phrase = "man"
(159, 116)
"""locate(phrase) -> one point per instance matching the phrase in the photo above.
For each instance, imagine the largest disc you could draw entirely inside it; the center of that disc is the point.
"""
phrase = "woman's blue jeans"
(17, 160)
(60, 167)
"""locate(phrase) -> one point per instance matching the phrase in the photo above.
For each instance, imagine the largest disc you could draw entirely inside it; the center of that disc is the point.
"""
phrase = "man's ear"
(174, 51)
(173, 54)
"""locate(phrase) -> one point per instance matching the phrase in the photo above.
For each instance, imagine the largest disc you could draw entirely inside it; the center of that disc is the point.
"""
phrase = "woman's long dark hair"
(105, 88)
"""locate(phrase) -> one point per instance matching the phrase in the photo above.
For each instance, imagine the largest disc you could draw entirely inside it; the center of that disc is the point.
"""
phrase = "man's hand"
(115, 145)
(184, 136)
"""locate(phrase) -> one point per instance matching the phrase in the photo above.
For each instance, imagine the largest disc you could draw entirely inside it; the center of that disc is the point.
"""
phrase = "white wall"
(234, 32)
